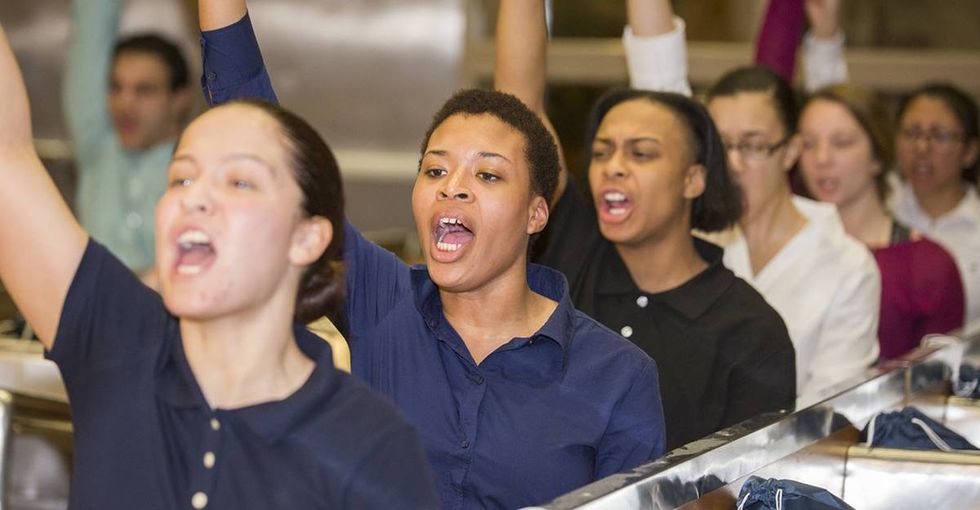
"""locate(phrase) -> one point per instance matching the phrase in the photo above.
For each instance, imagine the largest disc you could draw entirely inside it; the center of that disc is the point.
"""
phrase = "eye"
(643, 155)
(843, 143)
(241, 184)
(181, 182)
(809, 144)
(435, 172)
(487, 176)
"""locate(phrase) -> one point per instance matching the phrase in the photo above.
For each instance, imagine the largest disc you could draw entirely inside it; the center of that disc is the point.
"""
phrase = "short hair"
(540, 148)
(872, 115)
(760, 79)
(157, 46)
(720, 205)
(962, 106)
(322, 286)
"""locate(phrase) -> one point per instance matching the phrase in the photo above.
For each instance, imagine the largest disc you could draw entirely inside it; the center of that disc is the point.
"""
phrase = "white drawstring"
(936, 440)
(779, 499)
(741, 504)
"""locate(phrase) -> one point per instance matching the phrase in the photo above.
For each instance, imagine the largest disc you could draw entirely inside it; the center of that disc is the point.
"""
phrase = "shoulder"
(600, 346)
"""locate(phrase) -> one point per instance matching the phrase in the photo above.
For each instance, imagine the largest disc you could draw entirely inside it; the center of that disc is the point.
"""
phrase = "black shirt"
(146, 438)
(723, 353)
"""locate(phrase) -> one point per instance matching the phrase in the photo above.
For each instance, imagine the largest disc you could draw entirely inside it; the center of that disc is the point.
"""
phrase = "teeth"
(447, 246)
(194, 237)
(613, 196)
(450, 221)
(188, 270)
(618, 211)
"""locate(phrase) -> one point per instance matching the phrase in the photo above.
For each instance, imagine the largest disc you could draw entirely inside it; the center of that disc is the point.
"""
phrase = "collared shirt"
(117, 189)
(537, 418)
(146, 438)
(826, 287)
(723, 353)
(958, 231)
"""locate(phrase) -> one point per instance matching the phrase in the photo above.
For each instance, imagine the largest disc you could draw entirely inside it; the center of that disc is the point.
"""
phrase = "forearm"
(215, 14)
(233, 66)
(650, 18)
(656, 49)
(521, 46)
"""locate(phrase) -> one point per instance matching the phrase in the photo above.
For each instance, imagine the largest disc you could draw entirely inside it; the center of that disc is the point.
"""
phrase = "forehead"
(140, 65)
(827, 114)
(930, 110)
(639, 117)
(745, 113)
(466, 134)
(239, 129)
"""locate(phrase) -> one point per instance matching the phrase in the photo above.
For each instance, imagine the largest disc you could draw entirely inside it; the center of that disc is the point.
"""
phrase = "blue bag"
(774, 494)
(968, 383)
(911, 430)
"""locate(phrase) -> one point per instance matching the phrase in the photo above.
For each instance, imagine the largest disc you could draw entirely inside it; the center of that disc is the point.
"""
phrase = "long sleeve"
(823, 61)
(636, 433)
(659, 62)
(779, 37)
(86, 82)
(233, 66)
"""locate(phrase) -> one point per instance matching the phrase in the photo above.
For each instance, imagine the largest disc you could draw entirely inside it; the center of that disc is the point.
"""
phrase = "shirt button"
(199, 500)
(209, 460)
(464, 444)
(479, 379)
(626, 331)
(212, 76)
(215, 424)
(642, 301)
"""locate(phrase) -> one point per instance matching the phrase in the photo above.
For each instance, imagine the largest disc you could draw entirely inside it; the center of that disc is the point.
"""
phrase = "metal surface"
(802, 445)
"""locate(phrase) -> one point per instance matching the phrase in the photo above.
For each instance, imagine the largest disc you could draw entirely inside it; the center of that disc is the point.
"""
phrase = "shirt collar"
(907, 207)
(270, 420)
(692, 299)
(547, 282)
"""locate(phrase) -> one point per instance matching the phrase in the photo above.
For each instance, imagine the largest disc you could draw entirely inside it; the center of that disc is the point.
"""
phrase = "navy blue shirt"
(146, 438)
(539, 417)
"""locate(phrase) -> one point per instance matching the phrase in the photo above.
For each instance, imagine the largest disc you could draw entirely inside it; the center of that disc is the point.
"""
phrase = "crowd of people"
(726, 256)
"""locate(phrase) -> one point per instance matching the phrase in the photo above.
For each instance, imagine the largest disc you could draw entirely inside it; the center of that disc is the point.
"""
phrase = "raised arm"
(656, 48)
(94, 25)
(230, 56)
(779, 37)
(823, 45)
(521, 60)
(41, 244)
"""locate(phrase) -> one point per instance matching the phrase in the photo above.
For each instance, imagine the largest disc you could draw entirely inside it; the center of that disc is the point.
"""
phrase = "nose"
(822, 153)
(197, 198)
(735, 162)
(454, 187)
(615, 168)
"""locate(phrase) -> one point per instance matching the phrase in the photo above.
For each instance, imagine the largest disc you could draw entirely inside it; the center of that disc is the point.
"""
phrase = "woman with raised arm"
(519, 397)
(657, 170)
(847, 151)
(794, 251)
(213, 396)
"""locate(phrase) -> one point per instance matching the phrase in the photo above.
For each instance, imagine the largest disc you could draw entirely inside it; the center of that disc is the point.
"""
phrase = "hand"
(824, 17)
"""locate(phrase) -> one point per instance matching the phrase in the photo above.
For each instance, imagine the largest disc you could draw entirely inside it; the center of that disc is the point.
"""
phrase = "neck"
(503, 309)
(866, 220)
(940, 201)
(769, 226)
(246, 359)
(661, 264)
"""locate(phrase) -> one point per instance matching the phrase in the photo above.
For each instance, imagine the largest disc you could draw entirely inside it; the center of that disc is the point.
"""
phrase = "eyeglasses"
(756, 151)
(940, 138)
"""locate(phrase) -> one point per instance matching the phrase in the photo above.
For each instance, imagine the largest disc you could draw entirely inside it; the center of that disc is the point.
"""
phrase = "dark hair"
(962, 106)
(720, 206)
(871, 114)
(321, 288)
(157, 46)
(540, 149)
(760, 79)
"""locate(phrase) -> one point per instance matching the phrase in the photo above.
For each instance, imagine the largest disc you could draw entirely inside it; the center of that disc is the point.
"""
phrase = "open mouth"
(614, 206)
(194, 252)
(827, 185)
(451, 234)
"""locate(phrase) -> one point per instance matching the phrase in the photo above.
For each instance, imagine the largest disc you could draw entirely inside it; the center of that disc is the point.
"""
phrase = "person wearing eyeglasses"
(793, 250)
(937, 151)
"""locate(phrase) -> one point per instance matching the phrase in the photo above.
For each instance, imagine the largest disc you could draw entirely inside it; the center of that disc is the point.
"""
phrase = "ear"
(537, 215)
(793, 149)
(311, 236)
(694, 181)
(970, 156)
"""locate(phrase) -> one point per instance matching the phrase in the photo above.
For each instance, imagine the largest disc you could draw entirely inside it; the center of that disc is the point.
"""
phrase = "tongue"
(196, 255)
(458, 237)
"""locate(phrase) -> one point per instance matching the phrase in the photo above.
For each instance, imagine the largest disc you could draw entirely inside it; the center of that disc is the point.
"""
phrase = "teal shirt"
(117, 189)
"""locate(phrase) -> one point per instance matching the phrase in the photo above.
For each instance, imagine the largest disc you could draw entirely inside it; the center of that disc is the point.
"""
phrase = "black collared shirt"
(723, 353)
(146, 438)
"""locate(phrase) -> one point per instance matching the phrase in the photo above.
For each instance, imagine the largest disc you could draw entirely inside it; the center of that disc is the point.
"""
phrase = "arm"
(656, 49)
(520, 63)
(395, 475)
(636, 430)
(779, 37)
(376, 281)
(40, 251)
(87, 75)
(230, 56)
(940, 291)
(823, 45)
(766, 379)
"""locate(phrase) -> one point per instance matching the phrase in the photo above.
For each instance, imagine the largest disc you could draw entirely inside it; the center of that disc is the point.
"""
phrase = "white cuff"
(658, 62)
(823, 61)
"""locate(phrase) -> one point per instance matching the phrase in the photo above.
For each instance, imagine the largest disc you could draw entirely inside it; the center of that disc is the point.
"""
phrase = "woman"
(794, 251)
(847, 150)
(214, 396)
(657, 169)
(937, 151)
(519, 398)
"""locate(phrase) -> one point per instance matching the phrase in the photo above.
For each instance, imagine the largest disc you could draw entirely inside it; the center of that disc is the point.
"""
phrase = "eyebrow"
(230, 157)
(608, 141)
(481, 154)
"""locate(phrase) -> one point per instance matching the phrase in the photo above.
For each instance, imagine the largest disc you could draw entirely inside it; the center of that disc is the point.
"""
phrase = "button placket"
(204, 473)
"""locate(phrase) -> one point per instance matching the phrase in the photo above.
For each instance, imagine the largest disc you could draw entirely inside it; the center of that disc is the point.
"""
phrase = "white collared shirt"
(958, 231)
(827, 288)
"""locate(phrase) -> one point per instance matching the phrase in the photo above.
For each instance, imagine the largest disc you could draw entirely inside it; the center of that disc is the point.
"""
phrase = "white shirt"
(958, 231)
(658, 62)
(827, 288)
